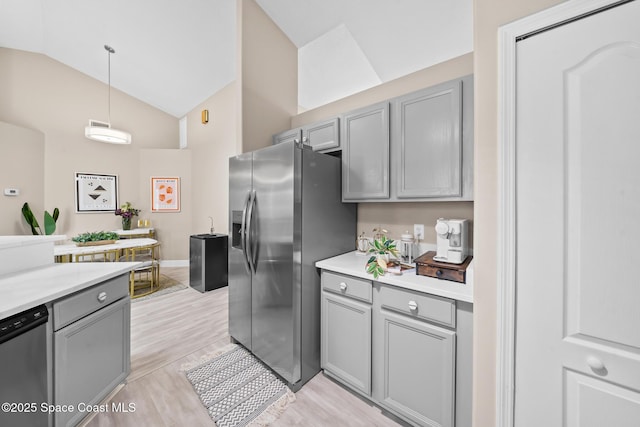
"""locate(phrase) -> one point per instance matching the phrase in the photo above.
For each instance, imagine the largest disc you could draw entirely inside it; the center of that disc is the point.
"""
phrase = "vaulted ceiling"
(175, 54)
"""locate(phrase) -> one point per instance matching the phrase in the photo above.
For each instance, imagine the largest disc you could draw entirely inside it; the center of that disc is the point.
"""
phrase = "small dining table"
(72, 252)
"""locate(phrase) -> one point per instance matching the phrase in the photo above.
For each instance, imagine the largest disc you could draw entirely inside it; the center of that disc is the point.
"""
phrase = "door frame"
(508, 35)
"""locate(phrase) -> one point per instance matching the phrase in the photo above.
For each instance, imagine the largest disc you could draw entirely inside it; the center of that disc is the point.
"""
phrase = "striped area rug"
(238, 390)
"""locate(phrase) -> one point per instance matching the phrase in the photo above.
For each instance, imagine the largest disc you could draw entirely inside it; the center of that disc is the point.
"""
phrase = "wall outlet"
(418, 231)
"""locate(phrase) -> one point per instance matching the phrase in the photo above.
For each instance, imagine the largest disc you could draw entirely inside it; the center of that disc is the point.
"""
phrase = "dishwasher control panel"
(14, 325)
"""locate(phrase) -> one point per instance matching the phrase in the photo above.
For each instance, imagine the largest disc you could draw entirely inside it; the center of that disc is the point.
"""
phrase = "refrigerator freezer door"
(274, 229)
(240, 182)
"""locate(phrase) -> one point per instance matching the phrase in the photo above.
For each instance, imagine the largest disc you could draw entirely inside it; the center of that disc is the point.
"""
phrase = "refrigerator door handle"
(243, 233)
(249, 240)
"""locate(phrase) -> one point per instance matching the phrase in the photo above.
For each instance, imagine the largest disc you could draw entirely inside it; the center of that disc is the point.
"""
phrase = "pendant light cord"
(110, 50)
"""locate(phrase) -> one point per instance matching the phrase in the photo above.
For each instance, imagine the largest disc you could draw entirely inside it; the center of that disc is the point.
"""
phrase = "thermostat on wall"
(11, 192)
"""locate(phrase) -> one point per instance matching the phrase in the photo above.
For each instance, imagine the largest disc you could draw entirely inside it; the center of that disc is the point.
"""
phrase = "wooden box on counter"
(426, 266)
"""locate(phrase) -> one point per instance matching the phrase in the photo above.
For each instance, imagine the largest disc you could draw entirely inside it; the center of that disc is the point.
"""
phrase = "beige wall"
(21, 167)
(268, 76)
(211, 145)
(398, 217)
(42, 94)
(488, 16)
(172, 228)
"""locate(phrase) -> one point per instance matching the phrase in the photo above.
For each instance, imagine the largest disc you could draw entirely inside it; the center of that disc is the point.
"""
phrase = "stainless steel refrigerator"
(285, 214)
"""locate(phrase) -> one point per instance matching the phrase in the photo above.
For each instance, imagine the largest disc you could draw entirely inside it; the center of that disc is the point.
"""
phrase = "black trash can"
(208, 265)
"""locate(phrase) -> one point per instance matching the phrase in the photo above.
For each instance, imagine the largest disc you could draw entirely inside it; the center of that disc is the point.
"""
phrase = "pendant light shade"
(101, 131)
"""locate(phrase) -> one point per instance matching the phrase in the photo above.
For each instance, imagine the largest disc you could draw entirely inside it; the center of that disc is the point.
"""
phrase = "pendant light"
(102, 131)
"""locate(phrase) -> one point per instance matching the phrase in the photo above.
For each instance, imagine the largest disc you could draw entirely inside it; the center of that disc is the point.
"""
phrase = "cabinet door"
(415, 369)
(322, 136)
(346, 341)
(288, 135)
(91, 357)
(365, 153)
(427, 142)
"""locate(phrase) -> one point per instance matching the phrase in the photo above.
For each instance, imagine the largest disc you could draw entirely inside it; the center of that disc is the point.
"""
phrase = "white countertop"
(24, 290)
(353, 264)
(73, 249)
(15, 241)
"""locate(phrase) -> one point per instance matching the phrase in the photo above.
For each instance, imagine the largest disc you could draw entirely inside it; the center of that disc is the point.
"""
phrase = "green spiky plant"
(49, 221)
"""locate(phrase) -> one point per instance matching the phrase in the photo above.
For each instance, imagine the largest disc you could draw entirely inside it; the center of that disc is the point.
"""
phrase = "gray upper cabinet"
(424, 154)
(294, 135)
(427, 142)
(365, 153)
(322, 136)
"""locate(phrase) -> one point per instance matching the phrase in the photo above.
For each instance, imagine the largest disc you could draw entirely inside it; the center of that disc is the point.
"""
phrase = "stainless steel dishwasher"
(23, 368)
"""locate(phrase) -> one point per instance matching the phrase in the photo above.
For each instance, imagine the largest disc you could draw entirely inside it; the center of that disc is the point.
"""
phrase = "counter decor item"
(382, 250)
(127, 212)
(407, 247)
(427, 266)
(49, 220)
(95, 238)
(362, 243)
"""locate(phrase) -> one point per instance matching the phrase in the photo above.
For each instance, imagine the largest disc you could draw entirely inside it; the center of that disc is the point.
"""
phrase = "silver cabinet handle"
(343, 286)
(413, 306)
(596, 364)
(102, 296)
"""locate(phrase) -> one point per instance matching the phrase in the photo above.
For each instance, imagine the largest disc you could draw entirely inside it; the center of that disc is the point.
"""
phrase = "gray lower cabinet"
(91, 345)
(414, 367)
(365, 153)
(407, 351)
(346, 330)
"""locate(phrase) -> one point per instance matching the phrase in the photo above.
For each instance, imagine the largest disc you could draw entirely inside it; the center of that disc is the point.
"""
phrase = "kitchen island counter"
(353, 264)
(26, 289)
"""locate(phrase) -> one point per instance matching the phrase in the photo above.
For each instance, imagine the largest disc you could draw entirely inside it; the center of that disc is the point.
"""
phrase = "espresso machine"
(452, 240)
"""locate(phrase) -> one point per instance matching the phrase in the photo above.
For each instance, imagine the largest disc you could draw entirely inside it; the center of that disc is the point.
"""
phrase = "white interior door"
(578, 223)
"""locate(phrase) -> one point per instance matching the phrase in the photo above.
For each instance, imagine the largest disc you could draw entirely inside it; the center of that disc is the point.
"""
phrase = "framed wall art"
(165, 194)
(96, 192)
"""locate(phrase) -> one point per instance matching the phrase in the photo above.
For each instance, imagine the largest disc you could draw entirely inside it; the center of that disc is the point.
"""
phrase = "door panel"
(365, 153)
(240, 184)
(275, 297)
(428, 142)
(592, 402)
(578, 202)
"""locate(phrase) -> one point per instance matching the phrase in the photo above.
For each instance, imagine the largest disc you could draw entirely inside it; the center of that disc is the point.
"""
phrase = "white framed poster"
(96, 192)
(165, 194)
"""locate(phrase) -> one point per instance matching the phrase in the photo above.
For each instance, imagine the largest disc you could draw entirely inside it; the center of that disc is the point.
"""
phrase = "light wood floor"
(171, 331)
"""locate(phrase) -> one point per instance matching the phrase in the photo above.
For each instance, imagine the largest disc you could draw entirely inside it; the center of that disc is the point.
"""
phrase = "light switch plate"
(418, 231)
(11, 192)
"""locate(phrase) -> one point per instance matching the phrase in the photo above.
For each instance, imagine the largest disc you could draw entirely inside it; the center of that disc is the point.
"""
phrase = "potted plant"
(382, 249)
(49, 221)
(95, 238)
(127, 212)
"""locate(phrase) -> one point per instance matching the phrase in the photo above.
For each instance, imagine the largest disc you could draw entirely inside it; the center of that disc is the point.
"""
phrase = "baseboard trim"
(174, 263)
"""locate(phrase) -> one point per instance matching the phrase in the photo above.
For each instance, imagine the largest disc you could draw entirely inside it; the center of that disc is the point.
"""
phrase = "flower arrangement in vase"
(127, 212)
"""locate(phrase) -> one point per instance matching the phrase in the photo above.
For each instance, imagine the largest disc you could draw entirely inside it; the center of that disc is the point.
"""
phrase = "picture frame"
(96, 193)
(165, 194)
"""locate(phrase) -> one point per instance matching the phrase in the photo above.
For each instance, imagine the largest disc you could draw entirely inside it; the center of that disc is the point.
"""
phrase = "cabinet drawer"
(422, 306)
(85, 302)
(347, 285)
